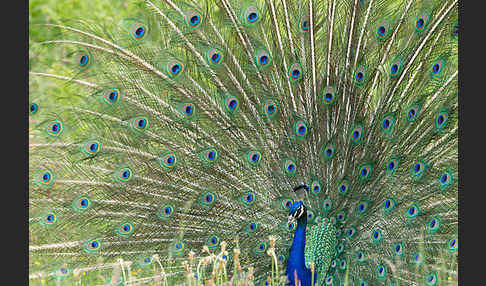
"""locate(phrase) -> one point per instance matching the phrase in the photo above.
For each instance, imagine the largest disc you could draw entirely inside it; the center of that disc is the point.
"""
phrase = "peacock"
(248, 142)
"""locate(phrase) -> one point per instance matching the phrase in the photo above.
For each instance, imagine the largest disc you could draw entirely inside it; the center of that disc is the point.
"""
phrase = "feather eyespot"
(188, 109)
(431, 279)
(81, 204)
(434, 224)
(295, 72)
(356, 133)
(398, 249)
(92, 246)
(166, 211)
(262, 58)
(213, 241)
(300, 128)
(340, 216)
(304, 23)
(33, 108)
(417, 258)
(91, 147)
(254, 157)
(289, 167)
(421, 22)
(145, 261)
(361, 257)
(328, 151)
(252, 227)
(231, 104)
(54, 128)
(360, 75)
(286, 204)
(125, 229)
(418, 169)
(413, 211)
(247, 199)
(441, 120)
(315, 187)
(351, 232)
(49, 218)
(193, 19)
(138, 31)
(175, 68)
(46, 177)
(389, 205)
(139, 124)
(262, 246)
(168, 161)
(214, 57)
(446, 179)
(437, 68)
(83, 59)
(381, 271)
(329, 95)
(388, 123)
(376, 235)
(452, 245)
(124, 175)
(392, 166)
(270, 109)
(112, 96)
(250, 16)
(343, 187)
(177, 247)
(207, 199)
(326, 205)
(365, 172)
(396, 67)
(383, 30)
(413, 112)
(211, 155)
(342, 265)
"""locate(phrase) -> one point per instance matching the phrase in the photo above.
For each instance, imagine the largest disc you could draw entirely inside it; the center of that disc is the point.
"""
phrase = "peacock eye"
(83, 60)
(271, 109)
(209, 198)
(33, 108)
(188, 110)
(194, 20)
(140, 32)
(262, 59)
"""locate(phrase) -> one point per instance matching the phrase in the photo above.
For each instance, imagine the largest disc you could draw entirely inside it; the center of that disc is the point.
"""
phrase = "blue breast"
(296, 261)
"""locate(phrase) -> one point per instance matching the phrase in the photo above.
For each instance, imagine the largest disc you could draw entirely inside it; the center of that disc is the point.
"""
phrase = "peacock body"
(250, 143)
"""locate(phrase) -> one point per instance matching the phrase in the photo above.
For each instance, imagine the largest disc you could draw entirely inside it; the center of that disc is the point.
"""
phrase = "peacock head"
(297, 213)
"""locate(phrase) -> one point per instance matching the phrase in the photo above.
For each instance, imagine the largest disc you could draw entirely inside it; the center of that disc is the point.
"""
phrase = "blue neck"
(296, 261)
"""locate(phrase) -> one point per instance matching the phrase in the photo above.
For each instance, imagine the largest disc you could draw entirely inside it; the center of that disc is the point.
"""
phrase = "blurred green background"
(52, 58)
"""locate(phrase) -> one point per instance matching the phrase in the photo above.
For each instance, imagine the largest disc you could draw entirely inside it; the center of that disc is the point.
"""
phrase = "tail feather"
(190, 124)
